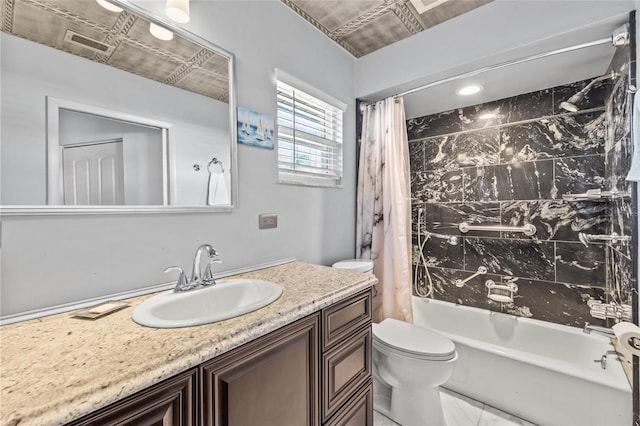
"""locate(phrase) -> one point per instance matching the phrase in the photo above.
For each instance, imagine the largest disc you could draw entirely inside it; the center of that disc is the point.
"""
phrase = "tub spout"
(605, 331)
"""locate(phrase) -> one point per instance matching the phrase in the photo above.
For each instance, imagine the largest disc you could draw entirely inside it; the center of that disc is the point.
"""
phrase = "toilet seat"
(412, 341)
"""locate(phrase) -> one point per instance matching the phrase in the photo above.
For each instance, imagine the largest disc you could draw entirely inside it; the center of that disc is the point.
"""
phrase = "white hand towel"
(217, 192)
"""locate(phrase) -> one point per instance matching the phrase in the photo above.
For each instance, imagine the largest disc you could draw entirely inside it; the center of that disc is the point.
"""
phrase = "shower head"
(570, 104)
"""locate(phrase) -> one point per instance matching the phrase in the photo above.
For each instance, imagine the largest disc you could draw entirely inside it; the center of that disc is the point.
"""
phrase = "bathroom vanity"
(304, 359)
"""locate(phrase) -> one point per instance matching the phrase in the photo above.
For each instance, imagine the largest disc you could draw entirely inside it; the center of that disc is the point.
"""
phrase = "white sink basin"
(227, 299)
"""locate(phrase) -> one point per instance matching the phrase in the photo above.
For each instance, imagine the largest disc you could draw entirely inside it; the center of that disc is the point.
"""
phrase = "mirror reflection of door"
(93, 173)
(107, 161)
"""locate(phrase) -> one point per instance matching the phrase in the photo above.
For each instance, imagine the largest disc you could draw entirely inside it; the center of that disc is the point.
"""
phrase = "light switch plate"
(267, 221)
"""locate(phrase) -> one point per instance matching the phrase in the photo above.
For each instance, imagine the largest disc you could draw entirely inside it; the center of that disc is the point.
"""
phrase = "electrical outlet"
(267, 221)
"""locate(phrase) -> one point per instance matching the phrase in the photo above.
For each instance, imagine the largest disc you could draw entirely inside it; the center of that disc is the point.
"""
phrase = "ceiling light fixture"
(469, 90)
(488, 116)
(178, 10)
(109, 6)
(160, 32)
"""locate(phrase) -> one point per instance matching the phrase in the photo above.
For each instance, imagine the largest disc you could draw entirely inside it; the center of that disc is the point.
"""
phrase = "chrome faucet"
(196, 272)
(198, 279)
(604, 331)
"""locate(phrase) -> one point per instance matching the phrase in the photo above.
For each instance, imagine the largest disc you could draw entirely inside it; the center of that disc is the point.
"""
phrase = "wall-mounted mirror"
(112, 110)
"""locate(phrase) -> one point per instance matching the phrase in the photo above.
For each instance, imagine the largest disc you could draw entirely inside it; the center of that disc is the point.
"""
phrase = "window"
(309, 135)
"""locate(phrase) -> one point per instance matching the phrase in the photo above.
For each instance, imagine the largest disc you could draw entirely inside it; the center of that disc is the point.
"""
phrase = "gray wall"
(52, 260)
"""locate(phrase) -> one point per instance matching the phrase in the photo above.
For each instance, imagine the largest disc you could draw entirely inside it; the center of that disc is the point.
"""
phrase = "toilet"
(409, 364)
(355, 265)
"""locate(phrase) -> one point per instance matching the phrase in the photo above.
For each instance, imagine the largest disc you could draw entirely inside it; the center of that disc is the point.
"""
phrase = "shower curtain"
(383, 231)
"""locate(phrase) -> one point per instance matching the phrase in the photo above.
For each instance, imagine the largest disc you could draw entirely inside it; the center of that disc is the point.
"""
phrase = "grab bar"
(526, 229)
(586, 239)
(481, 271)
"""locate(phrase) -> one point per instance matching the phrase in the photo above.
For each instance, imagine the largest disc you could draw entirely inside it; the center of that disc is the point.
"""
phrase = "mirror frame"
(38, 210)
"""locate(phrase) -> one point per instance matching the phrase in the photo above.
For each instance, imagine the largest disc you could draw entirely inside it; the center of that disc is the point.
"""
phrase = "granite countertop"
(58, 368)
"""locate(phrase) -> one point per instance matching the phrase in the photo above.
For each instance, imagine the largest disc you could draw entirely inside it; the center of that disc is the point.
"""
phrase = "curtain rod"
(504, 64)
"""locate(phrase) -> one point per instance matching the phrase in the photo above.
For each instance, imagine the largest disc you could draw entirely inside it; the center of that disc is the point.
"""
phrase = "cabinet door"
(170, 403)
(271, 381)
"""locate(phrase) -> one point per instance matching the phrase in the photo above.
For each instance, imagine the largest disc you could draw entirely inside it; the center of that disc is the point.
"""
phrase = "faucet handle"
(207, 277)
(182, 282)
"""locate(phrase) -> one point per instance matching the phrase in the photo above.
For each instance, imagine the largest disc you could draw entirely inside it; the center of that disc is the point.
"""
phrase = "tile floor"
(462, 411)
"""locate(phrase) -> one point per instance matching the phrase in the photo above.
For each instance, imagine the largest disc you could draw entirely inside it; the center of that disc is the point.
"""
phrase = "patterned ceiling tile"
(364, 26)
(381, 32)
(334, 14)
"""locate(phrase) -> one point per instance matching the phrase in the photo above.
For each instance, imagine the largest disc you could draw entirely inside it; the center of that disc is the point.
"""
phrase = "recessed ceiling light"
(160, 32)
(472, 89)
(488, 116)
(109, 6)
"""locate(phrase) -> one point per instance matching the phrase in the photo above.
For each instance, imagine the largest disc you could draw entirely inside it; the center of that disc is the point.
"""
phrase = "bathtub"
(541, 372)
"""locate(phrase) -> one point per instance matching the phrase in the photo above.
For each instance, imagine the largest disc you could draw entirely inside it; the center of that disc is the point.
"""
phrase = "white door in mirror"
(227, 299)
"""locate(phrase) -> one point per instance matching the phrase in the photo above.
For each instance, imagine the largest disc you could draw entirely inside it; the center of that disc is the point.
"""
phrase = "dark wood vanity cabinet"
(169, 403)
(314, 371)
(270, 381)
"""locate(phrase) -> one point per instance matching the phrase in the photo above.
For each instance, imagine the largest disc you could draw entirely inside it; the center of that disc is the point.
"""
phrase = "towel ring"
(213, 161)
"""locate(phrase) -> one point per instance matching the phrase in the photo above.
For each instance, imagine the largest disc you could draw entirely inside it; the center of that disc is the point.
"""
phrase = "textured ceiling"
(121, 40)
(364, 26)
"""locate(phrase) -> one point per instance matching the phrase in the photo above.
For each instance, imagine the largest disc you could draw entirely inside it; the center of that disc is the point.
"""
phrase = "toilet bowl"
(409, 364)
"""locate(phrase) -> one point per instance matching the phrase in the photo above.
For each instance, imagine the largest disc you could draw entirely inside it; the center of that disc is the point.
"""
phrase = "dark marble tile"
(438, 252)
(437, 186)
(594, 98)
(518, 108)
(527, 106)
(438, 124)
(553, 302)
(521, 258)
(619, 288)
(617, 110)
(546, 301)
(480, 183)
(473, 293)
(556, 219)
(446, 218)
(621, 223)
(462, 149)
(416, 156)
(618, 164)
(577, 264)
(525, 180)
(578, 174)
(621, 216)
(562, 136)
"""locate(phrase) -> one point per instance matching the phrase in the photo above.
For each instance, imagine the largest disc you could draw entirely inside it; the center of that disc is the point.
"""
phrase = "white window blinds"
(309, 138)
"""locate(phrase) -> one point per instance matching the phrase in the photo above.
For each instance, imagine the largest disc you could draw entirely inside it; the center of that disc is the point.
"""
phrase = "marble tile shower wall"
(618, 162)
(510, 170)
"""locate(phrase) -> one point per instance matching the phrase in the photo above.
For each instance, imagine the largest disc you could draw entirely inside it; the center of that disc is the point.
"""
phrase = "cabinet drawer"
(357, 412)
(345, 369)
(342, 319)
